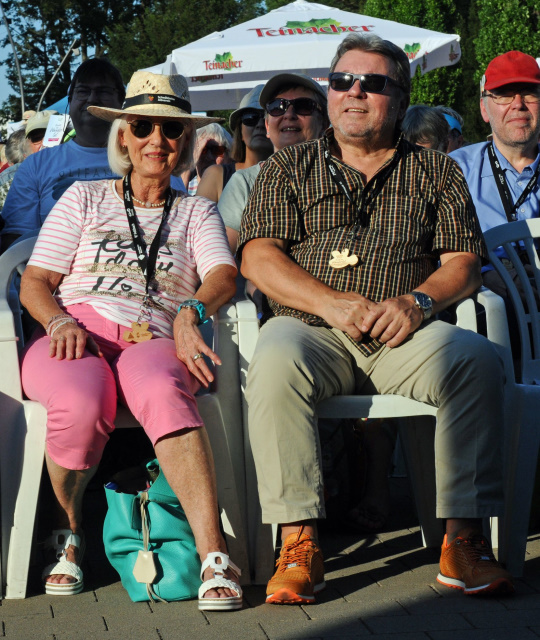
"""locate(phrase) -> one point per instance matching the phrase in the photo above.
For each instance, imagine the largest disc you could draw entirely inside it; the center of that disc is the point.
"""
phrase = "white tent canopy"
(302, 37)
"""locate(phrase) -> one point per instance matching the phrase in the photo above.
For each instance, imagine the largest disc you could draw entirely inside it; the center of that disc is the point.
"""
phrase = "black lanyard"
(504, 190)
(147, 263)
(369, 193)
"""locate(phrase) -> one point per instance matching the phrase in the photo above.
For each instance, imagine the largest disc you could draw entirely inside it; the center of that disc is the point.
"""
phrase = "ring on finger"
(197, 356)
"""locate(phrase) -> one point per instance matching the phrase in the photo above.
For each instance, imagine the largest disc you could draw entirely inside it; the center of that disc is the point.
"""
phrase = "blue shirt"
(44, 176)
(475, 164)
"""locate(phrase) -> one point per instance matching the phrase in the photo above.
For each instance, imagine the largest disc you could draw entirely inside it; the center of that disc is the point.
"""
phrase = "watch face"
(424, 302)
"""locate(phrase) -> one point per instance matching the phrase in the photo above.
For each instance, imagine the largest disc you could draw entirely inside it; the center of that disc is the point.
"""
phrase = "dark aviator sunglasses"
(172, 130)
(369, 82)
(301, 106)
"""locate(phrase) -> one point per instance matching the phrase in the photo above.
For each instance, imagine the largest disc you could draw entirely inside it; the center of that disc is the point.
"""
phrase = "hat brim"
(236, 115)
(153, 110)
(521, 79)
(271, 88)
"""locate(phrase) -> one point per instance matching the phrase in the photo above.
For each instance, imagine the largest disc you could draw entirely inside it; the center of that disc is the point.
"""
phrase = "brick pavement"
(380, 586)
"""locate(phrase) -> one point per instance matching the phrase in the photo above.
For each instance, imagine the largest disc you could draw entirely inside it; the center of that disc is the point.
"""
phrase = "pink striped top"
(86, 238)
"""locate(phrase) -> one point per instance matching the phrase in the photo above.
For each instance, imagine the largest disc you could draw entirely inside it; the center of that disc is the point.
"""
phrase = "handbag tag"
(145, 567)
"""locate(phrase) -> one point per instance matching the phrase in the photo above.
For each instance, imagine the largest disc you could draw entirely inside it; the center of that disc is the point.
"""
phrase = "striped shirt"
(86, 237)
(423, 207)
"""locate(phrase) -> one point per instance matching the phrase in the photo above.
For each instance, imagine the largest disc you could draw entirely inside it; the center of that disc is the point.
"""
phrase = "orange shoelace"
(295, 554)
(478, 549)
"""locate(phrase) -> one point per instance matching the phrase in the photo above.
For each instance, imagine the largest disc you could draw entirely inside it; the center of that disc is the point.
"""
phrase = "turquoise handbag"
(149, 542)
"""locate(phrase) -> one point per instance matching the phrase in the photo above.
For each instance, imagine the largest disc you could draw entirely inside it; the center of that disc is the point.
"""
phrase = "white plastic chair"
(417, 439)
(523, 436)
(23, 428)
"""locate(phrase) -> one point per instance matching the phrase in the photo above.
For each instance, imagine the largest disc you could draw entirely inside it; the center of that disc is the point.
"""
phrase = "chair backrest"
(517, 239)
(12, 265)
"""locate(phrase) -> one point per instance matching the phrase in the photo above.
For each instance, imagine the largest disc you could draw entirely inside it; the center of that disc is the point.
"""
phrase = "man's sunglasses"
(369, 82)
(251, 118)
(172, 129)
(301, 106)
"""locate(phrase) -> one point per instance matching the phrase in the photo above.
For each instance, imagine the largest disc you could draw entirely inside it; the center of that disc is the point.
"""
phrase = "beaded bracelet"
(61, 323)
(55, 319)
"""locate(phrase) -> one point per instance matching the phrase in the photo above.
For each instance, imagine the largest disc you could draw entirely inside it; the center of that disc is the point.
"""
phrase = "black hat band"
(157, 98)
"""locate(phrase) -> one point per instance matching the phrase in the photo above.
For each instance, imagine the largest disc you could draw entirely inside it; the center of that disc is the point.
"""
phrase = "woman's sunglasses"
(172, 129)
(369, 82)
(251, 118)
(301, 106)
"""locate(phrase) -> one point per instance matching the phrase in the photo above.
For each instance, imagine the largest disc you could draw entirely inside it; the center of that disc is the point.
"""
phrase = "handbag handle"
(143, 498)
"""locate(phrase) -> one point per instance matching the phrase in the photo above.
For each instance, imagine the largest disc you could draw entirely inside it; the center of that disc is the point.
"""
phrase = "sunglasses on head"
(251, 118)
(301, 106)
(172, 129)
(369, 82)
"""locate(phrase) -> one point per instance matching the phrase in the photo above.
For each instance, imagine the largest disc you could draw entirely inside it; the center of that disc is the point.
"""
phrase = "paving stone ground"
(379, 587)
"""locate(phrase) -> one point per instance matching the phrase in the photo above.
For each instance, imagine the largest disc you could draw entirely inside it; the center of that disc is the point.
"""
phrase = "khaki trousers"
(295, 366)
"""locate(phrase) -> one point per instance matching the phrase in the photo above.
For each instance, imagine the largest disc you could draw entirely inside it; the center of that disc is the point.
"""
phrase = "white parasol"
(302, 37)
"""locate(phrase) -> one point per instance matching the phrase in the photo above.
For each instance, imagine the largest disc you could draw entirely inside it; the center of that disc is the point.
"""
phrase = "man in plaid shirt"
(344, 235)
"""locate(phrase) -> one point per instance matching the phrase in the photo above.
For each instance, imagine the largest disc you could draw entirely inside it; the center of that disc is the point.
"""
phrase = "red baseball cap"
(508, 68)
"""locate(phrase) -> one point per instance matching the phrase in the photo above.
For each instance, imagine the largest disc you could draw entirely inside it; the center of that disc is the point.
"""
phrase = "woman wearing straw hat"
(250, 145)
(125, 260)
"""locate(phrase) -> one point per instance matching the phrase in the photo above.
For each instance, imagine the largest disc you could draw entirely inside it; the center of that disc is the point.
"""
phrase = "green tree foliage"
(506, 25)
(43, 31)
(132, 33)
(165, 25)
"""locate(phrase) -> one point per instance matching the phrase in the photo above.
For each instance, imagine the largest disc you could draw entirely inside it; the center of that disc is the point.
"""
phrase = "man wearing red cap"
(503, 175)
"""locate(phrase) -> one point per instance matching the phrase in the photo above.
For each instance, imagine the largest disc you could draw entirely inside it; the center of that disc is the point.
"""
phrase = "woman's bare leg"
(68, 487)
(187, 462)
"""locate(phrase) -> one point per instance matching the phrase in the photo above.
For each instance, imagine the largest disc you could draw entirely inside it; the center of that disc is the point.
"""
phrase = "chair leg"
(417, 436)
(228, 495)
(518, 498)
(20, 545)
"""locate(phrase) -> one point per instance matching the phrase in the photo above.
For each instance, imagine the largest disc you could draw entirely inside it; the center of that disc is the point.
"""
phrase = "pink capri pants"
(81, 395)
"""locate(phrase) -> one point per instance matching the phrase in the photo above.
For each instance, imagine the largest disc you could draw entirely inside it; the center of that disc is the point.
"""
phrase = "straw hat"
(151, 94)
(39, 120)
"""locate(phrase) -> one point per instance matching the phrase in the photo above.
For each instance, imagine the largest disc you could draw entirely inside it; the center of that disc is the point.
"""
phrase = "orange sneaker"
(468, 563)
(299, 571)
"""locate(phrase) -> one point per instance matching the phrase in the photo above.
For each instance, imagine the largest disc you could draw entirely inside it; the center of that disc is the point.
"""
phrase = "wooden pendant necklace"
(342, 259)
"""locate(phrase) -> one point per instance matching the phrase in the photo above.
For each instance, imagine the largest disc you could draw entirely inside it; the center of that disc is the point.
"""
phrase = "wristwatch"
(199, 307)
(423, 302)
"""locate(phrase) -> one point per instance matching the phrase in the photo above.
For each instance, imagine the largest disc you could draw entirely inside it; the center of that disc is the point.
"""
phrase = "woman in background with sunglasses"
(115, 282)
(250, 145)
(295, 111)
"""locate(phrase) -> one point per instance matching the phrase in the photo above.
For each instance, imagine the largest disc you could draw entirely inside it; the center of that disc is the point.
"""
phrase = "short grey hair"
(212, 131)
(427, 125)
(370, 43)
(17, 147)
(119, 159)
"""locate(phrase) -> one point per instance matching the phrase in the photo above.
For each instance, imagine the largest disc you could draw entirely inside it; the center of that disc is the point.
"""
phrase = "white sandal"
(219, 582)
(60, 540)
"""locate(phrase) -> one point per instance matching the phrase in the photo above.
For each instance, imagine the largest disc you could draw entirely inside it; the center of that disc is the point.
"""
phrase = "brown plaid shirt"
(423, 207)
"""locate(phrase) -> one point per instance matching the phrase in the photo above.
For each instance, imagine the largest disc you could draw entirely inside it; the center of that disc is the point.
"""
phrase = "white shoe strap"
(70, 538)
(219, 568)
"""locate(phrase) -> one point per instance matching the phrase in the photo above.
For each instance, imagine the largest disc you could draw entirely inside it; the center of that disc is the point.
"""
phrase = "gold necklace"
(149, 204)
